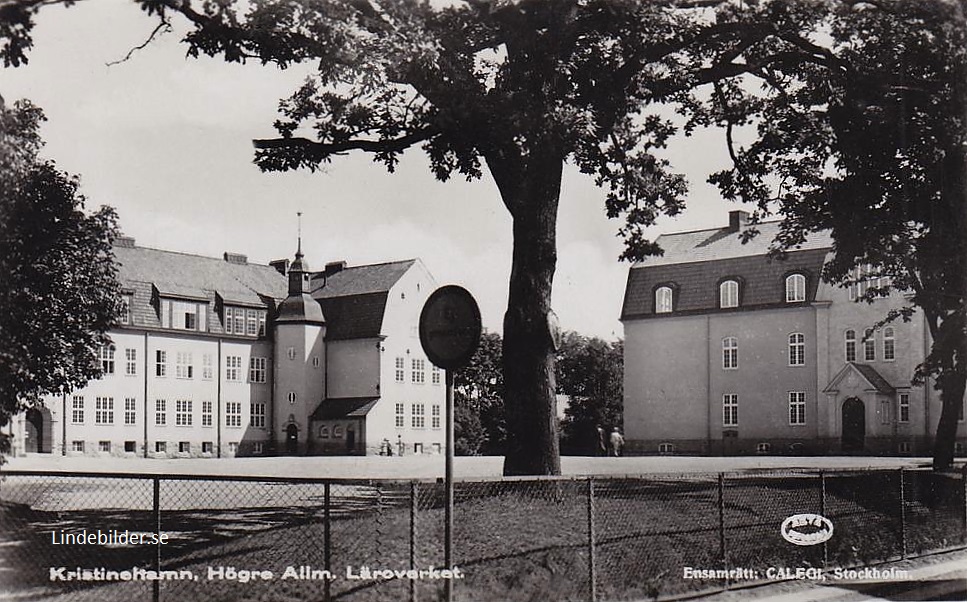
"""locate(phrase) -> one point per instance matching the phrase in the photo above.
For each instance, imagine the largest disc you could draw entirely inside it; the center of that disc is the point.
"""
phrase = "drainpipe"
(63, 424)
(146, 394)
(708, 384)
(218, 397)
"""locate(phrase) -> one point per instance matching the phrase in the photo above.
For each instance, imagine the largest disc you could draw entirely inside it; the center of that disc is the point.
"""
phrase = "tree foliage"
(866, 138)
(479, 424)
(590, 373)
(60, 291)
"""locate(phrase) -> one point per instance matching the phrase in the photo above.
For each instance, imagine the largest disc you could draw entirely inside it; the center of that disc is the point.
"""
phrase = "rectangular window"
(77, 409)
(229, 316)
(797, 407)
(183, 366)
(160, 447)
(233, 368)
(400, 370)
(207, 447)
(730, 409)
(184, 447)
(206, 366)
(77, 446)
(252, 322)
(884, 411)
(233, 413)
(130, 447)
(104, 410)
(256, 369)
(435, 375)
(183, 412)
(730, 353)
(183, 315)
(869, 345)
(257, 419)
(238, 324)
(130, 410)
(106, 355)
(206, 413)
(160, 412)
(160, 363)
(261, 323)
(126, 302)
(131, 361)
(419, 420)
(435, 416)
(418, 371)
(850, 345)
(400, 416)
(904, 408)
(104, 446)
(258, 447)
(797, 349)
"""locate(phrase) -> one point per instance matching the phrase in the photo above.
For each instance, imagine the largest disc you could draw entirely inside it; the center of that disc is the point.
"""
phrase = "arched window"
(795, 288)
(850, 345)
(729, 294)
(730, 353)
(323, 432)
(889, 344)
(797, 349)
(337, 432)
(663, 300)
(869, 345)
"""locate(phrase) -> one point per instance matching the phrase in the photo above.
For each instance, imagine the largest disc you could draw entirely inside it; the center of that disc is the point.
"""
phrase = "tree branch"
(321, 150)
(164, 26)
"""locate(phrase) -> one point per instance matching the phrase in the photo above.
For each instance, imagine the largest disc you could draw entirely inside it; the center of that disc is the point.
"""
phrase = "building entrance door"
(854, 425)
(37, 431)
(292, 440)
(350, 439)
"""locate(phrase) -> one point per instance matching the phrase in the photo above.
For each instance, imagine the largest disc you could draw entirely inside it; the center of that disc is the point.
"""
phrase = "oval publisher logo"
(806, 529)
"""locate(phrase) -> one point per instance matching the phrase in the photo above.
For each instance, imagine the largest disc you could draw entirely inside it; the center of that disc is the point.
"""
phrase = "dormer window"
(184, 315)
(729, 294)
(243, 321)
(663, 300)
(795, 288)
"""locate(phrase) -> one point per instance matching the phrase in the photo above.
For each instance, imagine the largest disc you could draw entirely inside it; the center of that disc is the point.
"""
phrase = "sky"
(166, 140)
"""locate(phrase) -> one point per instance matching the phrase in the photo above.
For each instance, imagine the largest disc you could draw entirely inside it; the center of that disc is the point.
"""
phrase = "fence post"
(592, 576)
(413, 498)
(156, 508)
(903, 518)
(326, 540)
(963, 516)
(822, 512)
(723, 552)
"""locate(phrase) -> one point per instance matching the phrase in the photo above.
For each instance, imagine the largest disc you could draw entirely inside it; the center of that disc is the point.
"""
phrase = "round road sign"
(450, 327)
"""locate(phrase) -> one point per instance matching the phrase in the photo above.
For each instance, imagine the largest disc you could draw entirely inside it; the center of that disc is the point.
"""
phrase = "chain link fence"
(280, 539)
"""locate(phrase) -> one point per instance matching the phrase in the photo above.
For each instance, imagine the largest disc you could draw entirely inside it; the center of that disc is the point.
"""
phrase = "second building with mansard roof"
(217, 357)
(731, 351)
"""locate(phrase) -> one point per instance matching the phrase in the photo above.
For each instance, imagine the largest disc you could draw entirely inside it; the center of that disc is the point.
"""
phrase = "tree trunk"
(953, 378)
(528, 362)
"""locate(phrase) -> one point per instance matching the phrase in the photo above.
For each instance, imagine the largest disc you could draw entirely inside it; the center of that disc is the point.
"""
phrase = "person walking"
(617, 442)
(602, 449)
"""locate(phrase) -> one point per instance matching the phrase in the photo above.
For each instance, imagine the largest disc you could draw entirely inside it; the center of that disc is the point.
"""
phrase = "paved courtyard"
(423, 467)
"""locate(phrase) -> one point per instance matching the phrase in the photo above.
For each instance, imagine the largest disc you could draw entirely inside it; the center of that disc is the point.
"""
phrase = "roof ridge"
(184, 254)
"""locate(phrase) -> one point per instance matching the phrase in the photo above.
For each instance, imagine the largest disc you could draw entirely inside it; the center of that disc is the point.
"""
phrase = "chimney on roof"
(737, 219)
(281, 266)
(334, 267)
(124, 241)
(236, 258)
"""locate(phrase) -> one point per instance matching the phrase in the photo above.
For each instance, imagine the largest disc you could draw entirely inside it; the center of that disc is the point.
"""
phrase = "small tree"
(479, 400)
(60, 292)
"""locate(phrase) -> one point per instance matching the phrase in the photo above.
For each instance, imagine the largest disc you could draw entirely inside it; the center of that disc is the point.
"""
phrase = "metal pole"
(448, 478)
(413, 498)
(903, 519)
(326, 540)
(722, 550)
(822, 512)
(156, 503)
(592, 576)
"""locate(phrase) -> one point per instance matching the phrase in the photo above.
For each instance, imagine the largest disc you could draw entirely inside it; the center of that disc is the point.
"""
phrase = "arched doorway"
(854, 425)
(292, 440)
(37, 431)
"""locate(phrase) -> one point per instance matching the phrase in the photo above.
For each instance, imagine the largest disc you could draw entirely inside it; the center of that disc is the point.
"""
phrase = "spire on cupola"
(299, 273)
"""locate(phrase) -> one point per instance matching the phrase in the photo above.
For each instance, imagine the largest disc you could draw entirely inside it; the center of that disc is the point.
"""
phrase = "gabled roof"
(873, 378)
(360, 280)
(192, 276)
(344, 407)
(695, 263)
